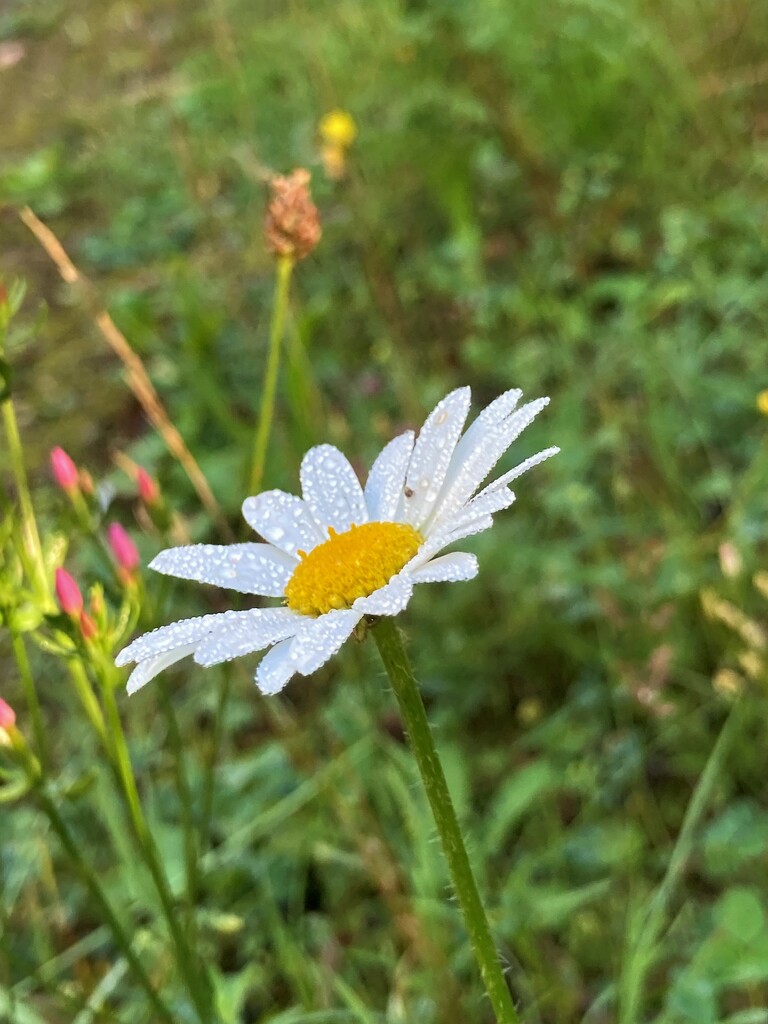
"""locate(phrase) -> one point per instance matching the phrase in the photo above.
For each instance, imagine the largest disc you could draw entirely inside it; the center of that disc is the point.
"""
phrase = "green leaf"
(741, 913)
(526, 786)
(691, 999)
(737, 836)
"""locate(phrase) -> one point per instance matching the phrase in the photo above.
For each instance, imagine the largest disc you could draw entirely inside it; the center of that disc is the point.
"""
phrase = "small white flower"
(342, 552)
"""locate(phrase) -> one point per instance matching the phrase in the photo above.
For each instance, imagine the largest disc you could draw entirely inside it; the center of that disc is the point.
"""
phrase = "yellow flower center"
(350, 565)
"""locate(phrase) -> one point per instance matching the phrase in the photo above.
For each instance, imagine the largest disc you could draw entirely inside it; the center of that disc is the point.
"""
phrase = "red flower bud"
(64, 471)
(88, 627)
(68, 593)
(125, 552)
(149, 492)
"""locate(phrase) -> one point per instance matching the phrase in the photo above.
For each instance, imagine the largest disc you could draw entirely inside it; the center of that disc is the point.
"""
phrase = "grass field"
(569, 198)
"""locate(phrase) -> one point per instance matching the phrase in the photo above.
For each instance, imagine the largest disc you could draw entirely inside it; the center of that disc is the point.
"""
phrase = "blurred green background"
(566, 197)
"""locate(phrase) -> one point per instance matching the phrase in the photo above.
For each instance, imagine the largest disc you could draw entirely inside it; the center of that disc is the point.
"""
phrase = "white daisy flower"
(342, 551)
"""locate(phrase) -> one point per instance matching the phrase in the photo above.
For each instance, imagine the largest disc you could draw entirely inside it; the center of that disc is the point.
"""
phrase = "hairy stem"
(406, 689)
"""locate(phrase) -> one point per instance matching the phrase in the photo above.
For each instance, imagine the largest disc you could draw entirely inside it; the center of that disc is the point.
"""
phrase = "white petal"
(474, 518)
(319, 639)
(487, 503)
(331, 489)
(249, 568)
(478, 452)
(450, 568)
(443, 537)
(476, 434)
(521, 468)
(384, 487)
(275, 668)
(387, 600)
(169, 638)
(245, 632)
(284, 520)
(148, 669)
(316, 642)
(432, 455)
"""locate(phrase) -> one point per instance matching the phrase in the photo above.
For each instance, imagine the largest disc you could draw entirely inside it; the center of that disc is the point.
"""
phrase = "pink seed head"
(7, 715)
(125, 552)
(149, 492)
(64, 471)
(68, 593)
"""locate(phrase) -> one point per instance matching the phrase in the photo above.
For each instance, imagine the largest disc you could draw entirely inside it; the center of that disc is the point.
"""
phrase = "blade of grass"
(648, 930)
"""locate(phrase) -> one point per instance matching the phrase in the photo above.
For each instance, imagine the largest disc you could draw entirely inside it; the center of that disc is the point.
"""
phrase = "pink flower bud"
(64, 471)
(125, 552)
(68, 593)
(147, 487)
(7, 715)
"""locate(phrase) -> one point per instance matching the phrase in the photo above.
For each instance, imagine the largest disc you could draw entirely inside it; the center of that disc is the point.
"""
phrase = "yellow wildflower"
(337, 133)
(337, 128)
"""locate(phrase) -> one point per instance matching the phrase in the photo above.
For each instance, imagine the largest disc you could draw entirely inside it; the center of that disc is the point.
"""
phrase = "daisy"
(342, 551)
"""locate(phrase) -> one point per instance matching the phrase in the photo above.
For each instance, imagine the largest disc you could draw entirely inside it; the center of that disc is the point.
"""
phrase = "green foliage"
(564, 197)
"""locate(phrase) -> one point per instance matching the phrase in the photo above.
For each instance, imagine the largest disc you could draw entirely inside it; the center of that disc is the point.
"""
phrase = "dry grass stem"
(136, 375)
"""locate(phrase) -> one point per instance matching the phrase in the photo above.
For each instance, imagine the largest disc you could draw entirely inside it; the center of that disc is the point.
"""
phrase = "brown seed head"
(292, 225)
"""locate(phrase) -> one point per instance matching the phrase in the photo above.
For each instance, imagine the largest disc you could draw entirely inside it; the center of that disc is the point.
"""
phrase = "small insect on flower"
(343, 551)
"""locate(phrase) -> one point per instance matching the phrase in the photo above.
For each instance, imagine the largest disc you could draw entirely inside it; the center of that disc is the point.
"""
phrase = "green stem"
(30, 695)
(640, 955)
(267, 409)
(87, 698)
(189, 964)
(406, 689)
(30, 535)
(92, 883)
(191, 854)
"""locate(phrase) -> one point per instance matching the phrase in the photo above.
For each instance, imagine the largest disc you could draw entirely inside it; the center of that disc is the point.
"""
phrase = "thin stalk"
(30, 695)
(267, 409)
(29, 532)
(189, 963)
(640, 955)
(92, 883)
(406, 689)
(209, 777)
(191, 854)
(88, 700)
